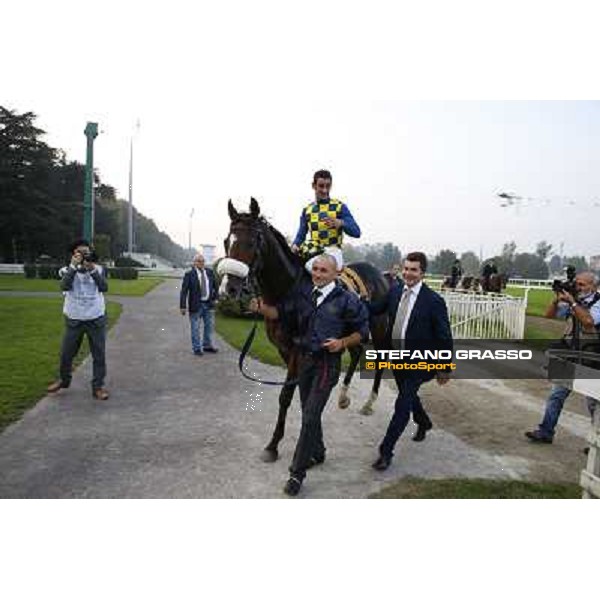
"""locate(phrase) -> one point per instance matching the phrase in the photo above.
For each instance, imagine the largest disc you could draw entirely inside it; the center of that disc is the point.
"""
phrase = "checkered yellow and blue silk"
(319, 234)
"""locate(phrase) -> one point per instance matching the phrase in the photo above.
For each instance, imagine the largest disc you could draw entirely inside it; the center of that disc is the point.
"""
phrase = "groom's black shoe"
(422, 431)
(382, 463)
(292, 487)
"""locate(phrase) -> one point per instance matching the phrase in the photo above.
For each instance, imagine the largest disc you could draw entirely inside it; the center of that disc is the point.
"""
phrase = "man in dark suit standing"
(418, 320)
(199, 292)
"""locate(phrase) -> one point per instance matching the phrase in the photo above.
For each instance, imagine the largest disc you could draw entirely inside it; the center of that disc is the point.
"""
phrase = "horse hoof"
(269, 456)
(366, 410)
(344, 402)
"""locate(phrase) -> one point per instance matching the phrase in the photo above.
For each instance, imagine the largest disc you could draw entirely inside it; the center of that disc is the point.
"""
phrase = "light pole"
(91, 132)
(130, 213)
(190, 234)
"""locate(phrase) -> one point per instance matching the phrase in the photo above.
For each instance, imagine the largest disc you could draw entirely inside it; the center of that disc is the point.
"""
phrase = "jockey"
(325, 220)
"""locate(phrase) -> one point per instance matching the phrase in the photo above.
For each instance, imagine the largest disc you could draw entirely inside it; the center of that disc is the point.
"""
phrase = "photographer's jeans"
(205, 314)
(554, 406)
(95, 330)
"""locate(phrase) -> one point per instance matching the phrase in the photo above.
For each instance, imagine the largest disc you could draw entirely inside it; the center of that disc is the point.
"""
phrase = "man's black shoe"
(422, 431)
(292, 487)
(198, 353)
(210, 349)
(382, 463)
(538, 437)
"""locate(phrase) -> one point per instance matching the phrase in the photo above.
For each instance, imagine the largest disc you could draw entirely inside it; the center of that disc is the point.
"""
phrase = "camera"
(88, 257)
(568, 284)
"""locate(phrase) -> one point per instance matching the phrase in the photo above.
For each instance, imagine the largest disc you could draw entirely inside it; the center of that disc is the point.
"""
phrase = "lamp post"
(130, 242)
(91, 132)
(190, 234)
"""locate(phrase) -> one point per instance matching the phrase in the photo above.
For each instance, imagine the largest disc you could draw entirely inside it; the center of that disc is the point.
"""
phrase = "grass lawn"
(235, 331)
(118, 287)
(414, 488)
(30, 336)
(537, 300)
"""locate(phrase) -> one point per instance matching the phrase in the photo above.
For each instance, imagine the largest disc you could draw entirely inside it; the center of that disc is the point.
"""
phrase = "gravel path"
(181, 426)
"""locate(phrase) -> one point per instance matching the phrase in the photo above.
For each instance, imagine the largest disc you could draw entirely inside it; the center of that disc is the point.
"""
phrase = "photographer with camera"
(577, 299)
(83, 283)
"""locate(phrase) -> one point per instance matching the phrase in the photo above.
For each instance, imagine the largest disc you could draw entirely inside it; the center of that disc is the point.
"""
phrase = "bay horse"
(495, 284)
(258, 255)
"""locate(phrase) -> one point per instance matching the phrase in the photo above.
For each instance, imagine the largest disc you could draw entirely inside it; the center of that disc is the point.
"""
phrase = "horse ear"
(254, 208)
(233, 214)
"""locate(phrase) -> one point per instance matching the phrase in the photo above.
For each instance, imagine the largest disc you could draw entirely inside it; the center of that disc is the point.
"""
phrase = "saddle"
(351, 281)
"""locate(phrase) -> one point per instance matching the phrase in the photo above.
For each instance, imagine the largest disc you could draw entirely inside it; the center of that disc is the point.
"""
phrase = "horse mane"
(283, 243)
(279, 237)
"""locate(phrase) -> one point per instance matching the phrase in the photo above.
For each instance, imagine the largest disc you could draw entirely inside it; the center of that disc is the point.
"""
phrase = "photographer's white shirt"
(84, 301)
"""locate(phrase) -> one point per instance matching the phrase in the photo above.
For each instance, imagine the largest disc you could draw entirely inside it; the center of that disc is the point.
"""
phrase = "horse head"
(243, 246)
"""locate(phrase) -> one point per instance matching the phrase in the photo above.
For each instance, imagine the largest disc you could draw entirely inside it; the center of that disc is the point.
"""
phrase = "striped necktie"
(202, 277)
(401, 316)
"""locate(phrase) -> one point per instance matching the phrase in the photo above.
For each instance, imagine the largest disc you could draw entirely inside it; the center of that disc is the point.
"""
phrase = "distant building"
(209, 252)
(595, 263)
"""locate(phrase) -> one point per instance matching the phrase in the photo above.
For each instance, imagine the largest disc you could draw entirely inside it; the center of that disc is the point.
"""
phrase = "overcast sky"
(238, 99)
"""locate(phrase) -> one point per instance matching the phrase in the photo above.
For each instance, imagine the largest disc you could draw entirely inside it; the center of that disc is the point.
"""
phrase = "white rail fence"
(485, 316)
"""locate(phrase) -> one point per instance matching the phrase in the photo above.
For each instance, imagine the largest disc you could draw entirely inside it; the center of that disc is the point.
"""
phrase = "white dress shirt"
(325, 291)
(201, 274)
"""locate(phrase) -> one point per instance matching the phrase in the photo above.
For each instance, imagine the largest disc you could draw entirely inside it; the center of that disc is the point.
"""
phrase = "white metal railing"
(11, 268)
(534, 283)
(485, 316)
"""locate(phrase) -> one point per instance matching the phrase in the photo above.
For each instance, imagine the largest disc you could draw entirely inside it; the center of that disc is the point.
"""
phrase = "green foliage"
(42, 210)
(382, 256)
(442, 263)
(126, 261)
(235, 331)
(470, 263)
(412, 487)
(123, 273)
(529, 266)
(48, 271)
(578, 262)
(30, 271)
(543, 250)
(234, 308)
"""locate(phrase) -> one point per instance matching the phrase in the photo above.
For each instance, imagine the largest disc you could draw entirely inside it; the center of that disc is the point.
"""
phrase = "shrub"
(30, 271)
(48, 271)
(123, 273)
(125, 261)
(235, 308)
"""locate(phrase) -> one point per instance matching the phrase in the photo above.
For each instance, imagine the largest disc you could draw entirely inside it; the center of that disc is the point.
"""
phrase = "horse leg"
(343, 398)
(367, 408)
(270, 453)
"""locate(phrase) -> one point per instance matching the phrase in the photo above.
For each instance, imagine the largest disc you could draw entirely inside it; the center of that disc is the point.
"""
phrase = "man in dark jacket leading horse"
(325, 319)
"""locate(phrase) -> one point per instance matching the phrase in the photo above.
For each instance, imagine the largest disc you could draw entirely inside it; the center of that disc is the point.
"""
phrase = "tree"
(555, 264)
(442, 263)
(543, 250)
(578, 262)
(41, 201)
(26, 207)
(470, 263)
(530, 266)
(390, 255)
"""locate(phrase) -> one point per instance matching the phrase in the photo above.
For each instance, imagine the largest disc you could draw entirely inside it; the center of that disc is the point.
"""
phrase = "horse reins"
(254, 288)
